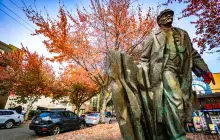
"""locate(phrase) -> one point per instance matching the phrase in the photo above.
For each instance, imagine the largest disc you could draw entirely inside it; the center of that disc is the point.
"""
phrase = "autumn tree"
(29, 75)
(84, 39)
(7, 69)
(77, 85)
(79, 94)
(207, 23)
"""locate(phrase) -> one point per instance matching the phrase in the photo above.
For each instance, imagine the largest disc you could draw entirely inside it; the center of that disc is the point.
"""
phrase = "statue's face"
(166, 19)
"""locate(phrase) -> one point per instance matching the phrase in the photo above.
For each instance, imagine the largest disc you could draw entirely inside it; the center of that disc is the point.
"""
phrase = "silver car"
(9, 118)
(93, 119)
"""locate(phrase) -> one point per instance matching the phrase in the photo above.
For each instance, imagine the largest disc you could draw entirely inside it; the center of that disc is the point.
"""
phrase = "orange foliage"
(73, 76)
(77, 85)
(83, 40)
(28, 73)
(119, 26)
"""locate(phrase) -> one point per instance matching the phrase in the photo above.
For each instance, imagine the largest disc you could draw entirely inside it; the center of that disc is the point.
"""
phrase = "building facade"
(42, 103)
(207, 105)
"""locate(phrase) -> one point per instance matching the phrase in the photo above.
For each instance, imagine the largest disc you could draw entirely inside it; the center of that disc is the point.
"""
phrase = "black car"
(55, 121)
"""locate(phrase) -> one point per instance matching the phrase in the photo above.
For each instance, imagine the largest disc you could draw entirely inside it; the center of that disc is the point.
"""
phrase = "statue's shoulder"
(156, 32)
(181, 30)
(147, 41)
(148, 37)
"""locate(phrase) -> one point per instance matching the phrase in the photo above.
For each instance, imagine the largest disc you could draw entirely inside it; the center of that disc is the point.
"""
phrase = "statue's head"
(165, 18)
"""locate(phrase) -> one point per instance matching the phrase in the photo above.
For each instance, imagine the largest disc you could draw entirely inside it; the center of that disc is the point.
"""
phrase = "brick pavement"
(201, 136)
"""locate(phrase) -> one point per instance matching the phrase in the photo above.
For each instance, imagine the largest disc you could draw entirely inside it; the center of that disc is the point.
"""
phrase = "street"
(21, 132)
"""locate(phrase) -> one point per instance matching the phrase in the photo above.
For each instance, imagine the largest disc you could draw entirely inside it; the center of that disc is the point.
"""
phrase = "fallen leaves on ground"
(108, 132)
(98, 132)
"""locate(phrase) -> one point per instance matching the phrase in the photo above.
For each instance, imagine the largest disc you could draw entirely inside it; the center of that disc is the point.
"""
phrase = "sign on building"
(199, 86)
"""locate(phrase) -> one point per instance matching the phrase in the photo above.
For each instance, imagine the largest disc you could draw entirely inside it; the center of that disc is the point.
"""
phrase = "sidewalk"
(201, 136)
(26, 122)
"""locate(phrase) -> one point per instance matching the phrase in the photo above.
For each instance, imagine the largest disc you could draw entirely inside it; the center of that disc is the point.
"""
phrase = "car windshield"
(93, 114)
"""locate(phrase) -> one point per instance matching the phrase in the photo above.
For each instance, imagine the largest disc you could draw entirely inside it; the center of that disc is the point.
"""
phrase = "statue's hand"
(208, 77)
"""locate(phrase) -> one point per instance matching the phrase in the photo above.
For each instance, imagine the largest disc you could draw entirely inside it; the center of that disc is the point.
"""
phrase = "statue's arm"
(199, 65)
(145, 56)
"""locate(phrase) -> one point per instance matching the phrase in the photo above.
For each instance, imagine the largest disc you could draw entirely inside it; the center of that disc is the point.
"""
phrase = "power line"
(16, 5)
(20, 23)
(17, 15)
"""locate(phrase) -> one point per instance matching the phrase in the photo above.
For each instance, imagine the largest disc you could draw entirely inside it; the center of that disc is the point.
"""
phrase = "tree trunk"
(29, 107)
(106, 97)
(26, 114)
(98, 103)
(112, 109)
(77, 109)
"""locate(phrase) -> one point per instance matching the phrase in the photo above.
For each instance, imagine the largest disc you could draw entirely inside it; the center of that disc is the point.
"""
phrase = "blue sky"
(14, 33)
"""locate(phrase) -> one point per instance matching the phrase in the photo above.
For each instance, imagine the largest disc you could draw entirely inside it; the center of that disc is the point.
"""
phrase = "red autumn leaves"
(27, 73)
(207, 22)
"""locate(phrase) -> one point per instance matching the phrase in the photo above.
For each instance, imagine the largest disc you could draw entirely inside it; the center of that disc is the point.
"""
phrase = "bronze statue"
(154, 98)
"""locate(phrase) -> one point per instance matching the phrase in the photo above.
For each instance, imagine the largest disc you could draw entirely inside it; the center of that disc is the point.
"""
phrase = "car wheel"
(87, 125)
(82, 126)
(38, 132)
(9, 124)
(55, 130)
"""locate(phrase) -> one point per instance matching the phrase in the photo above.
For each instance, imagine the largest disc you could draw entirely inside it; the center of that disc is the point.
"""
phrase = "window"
(10, 112)
(64, 114)
(60, 114)
(72, 115)
(93, 114)
(7, 112)
(1, 113)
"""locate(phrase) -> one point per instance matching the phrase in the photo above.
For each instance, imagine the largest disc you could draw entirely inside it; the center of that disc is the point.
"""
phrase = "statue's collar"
(161, 30)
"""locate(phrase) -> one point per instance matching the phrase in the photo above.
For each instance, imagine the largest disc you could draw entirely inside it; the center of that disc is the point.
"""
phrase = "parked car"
(94, 118)
(55, 121)
(87, 113)
(9, 118)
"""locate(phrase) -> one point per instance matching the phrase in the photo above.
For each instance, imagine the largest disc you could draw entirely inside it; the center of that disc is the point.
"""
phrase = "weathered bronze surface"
(153, 98)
